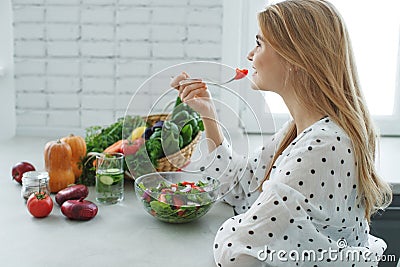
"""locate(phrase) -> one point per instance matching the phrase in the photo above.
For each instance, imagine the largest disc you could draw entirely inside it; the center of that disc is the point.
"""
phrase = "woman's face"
(269, 68)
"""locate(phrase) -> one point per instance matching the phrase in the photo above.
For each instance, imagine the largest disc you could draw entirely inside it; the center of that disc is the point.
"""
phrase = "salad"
(176, 202)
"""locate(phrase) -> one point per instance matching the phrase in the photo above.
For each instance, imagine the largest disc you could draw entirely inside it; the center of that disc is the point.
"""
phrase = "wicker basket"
(179, 159)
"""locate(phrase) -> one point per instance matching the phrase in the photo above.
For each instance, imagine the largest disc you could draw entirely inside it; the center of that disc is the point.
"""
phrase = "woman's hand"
(194, 93)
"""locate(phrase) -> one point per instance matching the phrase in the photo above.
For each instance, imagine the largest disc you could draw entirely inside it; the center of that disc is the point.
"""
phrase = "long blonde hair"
(312, 37)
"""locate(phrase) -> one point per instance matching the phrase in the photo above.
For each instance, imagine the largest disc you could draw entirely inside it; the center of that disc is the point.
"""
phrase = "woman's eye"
(258, 43)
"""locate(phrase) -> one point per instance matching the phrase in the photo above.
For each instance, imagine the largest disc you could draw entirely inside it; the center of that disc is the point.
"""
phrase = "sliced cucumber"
(107, 180)
(113, 170)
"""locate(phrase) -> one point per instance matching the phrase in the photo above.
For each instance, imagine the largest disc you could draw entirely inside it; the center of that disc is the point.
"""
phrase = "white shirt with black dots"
(307, 213)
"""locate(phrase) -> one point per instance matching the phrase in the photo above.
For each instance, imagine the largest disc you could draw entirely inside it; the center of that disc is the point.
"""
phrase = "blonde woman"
(316, 183)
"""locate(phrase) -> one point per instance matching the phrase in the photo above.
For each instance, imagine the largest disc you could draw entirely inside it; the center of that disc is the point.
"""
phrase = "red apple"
(19, 169)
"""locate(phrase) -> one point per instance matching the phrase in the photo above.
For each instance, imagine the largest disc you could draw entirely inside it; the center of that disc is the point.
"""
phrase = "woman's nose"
(250, 55)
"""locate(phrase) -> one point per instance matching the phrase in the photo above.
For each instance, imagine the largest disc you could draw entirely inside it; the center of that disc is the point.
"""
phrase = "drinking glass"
(109, 178)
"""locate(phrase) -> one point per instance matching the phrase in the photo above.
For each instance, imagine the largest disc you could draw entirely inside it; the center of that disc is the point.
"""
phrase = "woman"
(318, 189)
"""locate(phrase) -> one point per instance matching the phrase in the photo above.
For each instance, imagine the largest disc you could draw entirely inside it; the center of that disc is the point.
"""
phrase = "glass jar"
(34, 181)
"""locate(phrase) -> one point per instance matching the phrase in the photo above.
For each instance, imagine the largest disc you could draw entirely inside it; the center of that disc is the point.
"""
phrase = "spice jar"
(34, 181)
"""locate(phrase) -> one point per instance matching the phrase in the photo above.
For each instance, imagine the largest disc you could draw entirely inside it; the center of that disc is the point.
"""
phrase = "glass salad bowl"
(176, 197)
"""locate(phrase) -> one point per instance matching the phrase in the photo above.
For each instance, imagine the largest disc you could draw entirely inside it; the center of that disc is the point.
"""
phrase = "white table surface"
(120, 235)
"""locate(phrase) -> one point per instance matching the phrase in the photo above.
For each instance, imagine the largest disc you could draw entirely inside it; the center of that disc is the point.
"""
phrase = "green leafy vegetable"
(140, 162)
(187, 131)
(180, 141)
(201, 125)
(154, 149)
(88, 176)
(161, 208)
(99, 138)
(181, 116)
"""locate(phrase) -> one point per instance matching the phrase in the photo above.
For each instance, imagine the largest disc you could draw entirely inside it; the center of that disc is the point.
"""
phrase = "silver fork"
(208, 81)
(239, 75)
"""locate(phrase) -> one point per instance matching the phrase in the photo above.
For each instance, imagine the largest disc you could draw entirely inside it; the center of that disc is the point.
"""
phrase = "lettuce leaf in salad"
(162, 209)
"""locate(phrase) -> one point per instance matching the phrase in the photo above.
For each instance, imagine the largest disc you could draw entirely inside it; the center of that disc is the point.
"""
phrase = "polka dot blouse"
(310, 203)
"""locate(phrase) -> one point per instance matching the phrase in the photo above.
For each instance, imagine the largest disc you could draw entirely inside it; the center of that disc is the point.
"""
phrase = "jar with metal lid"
(34, 181)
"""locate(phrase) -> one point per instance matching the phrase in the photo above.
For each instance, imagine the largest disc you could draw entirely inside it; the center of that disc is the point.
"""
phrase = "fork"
(240, 73)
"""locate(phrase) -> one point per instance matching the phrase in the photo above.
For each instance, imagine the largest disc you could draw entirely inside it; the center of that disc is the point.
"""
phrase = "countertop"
(120, 235)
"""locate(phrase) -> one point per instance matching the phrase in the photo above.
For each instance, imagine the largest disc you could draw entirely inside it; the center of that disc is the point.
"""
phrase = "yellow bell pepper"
(138, 132)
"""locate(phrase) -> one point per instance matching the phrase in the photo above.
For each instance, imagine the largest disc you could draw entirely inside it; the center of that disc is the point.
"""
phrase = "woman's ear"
(289, 67)
(293, 68)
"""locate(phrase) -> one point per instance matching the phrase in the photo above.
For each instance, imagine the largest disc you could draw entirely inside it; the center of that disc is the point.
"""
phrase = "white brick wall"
(62, 14)
(30, 49)
(30, 84)
(99, 85)
(92, 102)
(169, 33)
(63, 49)
(29, 13)
(134, 15)
(64, 67)
(31, 118)
(31, 101)
(98, 2)
(25, 66)
(97, 49)
(168, 50)
(60, 84)
(97, 32)
(79, 62)
(64, 118)
(97, 67)
(28, 31)
(129, 84)
(61, 31)
(64, 101)
(133, 32)
(140, 50)
(133, 67)
(97, 15)
(164, 15)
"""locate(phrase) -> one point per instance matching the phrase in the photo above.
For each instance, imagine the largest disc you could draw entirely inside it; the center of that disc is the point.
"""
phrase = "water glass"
(109, 178)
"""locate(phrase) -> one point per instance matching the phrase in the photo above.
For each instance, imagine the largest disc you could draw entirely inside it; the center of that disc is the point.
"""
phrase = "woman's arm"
(196, 95)
(213, 132)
